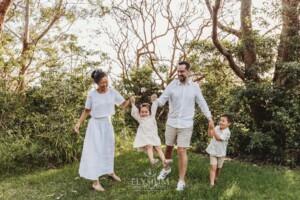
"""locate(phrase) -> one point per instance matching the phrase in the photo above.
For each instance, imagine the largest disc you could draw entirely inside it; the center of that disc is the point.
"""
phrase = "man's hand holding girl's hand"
(153, 97)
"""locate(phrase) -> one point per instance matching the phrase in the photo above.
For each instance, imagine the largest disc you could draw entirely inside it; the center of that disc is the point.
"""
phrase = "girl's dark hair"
(229, 118)
(147, 105)
(97, 75)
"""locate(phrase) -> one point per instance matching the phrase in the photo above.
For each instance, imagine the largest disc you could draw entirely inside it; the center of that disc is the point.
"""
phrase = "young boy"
(217, 146)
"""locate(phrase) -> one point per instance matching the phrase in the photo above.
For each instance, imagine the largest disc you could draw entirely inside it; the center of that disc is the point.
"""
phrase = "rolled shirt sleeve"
(202, 103)
(164, 97)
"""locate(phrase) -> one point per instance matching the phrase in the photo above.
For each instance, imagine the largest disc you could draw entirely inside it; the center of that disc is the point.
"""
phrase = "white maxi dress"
(97, 156)
(147, 133)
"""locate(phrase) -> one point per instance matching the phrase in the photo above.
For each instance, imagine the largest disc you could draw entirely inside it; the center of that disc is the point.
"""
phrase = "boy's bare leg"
(217, 174)
(213, 169)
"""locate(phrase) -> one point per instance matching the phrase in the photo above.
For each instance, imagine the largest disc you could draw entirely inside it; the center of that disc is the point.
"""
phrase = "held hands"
(153, 97)
(211, 123)
(132, 100)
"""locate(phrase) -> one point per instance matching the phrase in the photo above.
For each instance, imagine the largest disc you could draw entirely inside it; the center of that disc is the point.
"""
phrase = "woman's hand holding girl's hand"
(132, 100)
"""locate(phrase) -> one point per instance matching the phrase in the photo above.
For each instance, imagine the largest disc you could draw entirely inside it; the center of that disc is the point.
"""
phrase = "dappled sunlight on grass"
(290, 177)
(231, 191)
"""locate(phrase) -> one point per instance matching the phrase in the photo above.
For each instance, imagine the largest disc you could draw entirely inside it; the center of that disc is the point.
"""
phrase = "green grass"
(237, 181)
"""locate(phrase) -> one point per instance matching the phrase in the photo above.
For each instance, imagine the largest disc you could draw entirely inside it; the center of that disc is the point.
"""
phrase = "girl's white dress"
(98, 149)
(147, 133)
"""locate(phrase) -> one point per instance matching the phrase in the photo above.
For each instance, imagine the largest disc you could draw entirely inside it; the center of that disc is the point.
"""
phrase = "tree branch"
(221, 26)
(57, 15)
(217, 43)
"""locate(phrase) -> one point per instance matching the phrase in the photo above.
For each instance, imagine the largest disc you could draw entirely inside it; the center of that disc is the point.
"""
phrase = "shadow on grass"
(237, 181)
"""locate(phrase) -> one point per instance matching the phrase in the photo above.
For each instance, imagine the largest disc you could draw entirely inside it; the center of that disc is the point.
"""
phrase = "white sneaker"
(163, 174)
(180, 185)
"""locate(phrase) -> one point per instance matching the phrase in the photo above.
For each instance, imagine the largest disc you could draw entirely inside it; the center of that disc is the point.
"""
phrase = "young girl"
(147, 135)
(218, 145)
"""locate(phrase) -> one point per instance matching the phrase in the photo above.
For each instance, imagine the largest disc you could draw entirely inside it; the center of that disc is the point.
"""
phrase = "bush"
(37, 126)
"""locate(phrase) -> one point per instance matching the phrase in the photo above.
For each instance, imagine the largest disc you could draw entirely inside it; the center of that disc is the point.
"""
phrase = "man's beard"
(182, 78)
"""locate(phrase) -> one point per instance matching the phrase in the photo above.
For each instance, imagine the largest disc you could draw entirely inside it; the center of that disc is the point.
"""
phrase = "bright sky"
(86, 31)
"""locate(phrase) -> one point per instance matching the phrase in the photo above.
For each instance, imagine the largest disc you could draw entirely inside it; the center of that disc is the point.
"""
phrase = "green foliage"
(37, 127)
(278, 138)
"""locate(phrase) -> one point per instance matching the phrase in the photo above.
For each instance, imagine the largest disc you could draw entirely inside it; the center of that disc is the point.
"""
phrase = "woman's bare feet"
(115, 177)
(98, 187)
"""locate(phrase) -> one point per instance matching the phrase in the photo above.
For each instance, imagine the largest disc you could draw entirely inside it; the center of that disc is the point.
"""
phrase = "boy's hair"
(229, 118)
(147, 105)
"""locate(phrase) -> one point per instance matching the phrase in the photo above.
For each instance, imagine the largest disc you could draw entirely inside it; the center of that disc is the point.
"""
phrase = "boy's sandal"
(154, 162)
(98, 188)
(114, 177)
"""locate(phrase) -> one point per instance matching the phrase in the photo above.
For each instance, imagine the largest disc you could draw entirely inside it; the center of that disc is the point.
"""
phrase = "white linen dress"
(97, 156)
(147, 133)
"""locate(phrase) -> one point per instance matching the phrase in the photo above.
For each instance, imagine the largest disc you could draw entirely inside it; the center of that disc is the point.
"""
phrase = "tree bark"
(4, 7)
(249, 55)
(288, 51)
(30, 43)
(25, 51)
(289, 48)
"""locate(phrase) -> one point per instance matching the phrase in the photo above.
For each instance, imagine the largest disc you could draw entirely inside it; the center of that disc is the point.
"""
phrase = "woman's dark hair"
(97, 75)
(147, 105)
(229, 118)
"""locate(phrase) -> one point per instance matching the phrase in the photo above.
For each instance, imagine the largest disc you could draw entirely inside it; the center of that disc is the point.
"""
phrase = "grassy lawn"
(237, 181)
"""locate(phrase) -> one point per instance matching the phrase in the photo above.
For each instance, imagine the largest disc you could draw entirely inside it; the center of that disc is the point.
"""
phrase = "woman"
(98, 149)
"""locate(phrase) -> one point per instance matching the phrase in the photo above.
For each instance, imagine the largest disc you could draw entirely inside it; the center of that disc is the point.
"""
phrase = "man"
(182, 95)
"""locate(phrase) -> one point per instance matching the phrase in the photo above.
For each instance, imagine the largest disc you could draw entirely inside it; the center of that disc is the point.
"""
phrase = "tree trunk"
(289, 47)
(30, 43)
(288, 51)
(249, 54)
(4, 7)
(24, 59)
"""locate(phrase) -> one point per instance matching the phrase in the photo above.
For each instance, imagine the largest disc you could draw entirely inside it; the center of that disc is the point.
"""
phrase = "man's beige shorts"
(217, 161)
(179, 136)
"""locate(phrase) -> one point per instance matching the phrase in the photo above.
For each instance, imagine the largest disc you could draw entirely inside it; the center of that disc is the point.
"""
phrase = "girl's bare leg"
(160, 153)
(150, 152)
